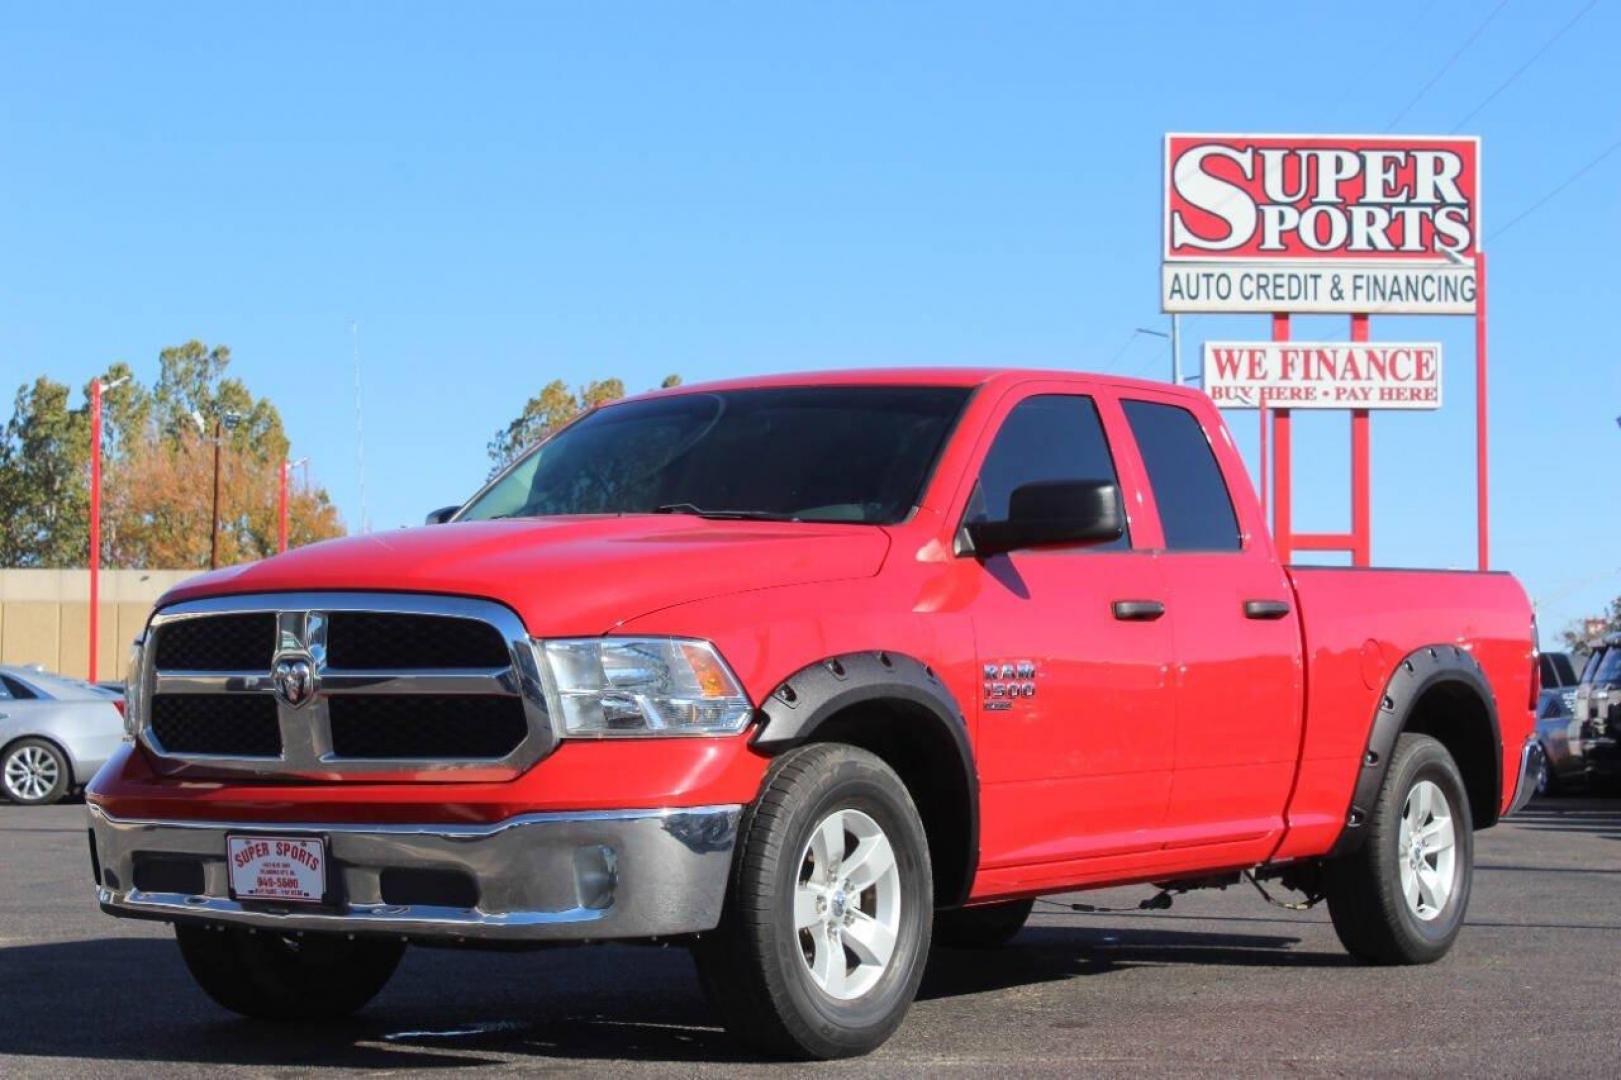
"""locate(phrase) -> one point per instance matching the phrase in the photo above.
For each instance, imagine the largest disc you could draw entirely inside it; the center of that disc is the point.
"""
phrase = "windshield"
(808, 453)
(1609, 668)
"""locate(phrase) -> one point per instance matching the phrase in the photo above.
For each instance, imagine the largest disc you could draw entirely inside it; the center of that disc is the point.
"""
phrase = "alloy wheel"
(31, 773)
(1427, 851)
(847, 904)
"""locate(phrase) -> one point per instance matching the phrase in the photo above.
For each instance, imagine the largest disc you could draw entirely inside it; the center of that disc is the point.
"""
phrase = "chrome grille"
(352, 684)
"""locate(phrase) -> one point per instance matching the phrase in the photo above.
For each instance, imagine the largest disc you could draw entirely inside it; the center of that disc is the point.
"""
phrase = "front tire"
(1401, 898)
(35, 773)
(274, 977)
(827, 921)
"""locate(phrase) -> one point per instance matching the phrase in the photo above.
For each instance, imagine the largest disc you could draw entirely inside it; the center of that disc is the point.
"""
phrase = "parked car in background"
(1558, 676)
(55, 733)
(1558, 730)
(1590, 755)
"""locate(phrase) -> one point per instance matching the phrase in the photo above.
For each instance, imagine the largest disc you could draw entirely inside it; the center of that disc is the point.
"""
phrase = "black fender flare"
(806, 700)
(1419, 671)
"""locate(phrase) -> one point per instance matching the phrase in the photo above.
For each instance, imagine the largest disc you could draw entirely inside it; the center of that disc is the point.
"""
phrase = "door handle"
(1265, 609)
(1138, 610)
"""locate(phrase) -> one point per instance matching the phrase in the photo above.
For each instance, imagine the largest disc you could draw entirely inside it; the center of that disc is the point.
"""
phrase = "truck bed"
(1358, 625)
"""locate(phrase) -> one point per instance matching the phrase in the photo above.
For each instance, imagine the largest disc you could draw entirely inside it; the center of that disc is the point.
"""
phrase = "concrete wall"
(45, 617)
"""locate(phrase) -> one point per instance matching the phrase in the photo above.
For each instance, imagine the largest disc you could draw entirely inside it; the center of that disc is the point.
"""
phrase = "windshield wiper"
(722, 515)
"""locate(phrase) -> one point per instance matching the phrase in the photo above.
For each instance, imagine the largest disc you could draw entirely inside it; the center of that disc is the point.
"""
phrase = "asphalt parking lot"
(1219, 982)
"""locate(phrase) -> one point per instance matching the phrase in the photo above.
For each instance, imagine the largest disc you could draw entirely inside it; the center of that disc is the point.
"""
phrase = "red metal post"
(281, 510)
(1282, 474)
(1361, 513)
(1481, 508)
(95, 523)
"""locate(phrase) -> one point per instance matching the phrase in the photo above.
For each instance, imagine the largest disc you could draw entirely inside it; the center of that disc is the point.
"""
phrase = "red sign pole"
(1361, 515)
(1481, 525)
(95, 522)
(1282, 474)
(281, 510)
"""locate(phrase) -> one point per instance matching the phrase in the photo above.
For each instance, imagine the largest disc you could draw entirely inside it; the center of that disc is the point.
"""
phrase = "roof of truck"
(917, 376)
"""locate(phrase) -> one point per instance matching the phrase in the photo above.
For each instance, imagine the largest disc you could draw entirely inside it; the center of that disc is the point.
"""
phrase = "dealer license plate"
(277, 868)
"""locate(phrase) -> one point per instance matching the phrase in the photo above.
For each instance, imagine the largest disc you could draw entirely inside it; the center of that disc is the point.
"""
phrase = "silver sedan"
(55, 733)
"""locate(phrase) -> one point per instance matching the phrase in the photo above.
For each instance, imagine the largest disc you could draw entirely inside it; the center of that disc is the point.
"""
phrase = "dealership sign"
(1318, 223)
(1323, 374)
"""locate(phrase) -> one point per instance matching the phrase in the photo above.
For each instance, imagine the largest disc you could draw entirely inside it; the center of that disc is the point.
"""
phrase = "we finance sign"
(1321, 223)
(1323, 375)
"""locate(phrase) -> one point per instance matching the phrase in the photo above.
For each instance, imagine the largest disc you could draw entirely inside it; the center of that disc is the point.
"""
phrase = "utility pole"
(97, 388)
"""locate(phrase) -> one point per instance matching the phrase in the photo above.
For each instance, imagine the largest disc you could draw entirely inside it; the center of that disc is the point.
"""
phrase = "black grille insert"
(240, 725)
(435, 888)
(171, 874)
(244, 642)
(456, 726)
(365, 640)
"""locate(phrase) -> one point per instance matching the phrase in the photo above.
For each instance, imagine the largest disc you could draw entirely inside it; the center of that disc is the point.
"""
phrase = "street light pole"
(95, 523)
(225, 422)
(96, 389)
(214, 513)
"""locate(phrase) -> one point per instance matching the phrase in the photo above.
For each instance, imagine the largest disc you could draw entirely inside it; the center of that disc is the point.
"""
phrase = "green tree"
(192, 386)
(549, 410)
(44, 479)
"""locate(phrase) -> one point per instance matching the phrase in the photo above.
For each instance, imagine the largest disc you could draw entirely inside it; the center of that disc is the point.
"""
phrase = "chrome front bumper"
(1525, 785)
(537, 877)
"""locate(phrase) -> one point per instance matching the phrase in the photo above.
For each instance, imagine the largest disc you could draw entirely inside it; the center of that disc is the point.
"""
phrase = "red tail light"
(118, 703)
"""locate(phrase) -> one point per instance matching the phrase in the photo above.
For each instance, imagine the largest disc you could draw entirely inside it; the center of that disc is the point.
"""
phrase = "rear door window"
(1195, 509)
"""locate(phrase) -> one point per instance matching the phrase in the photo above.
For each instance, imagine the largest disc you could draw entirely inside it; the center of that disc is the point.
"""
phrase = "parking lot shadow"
(1600, 817)
(131, 999)
(1046, 953)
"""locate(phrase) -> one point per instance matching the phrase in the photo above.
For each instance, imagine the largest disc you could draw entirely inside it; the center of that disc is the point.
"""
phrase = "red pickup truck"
(807, 672)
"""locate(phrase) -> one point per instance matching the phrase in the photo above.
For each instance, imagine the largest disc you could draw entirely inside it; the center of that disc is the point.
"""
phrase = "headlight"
(134, 699)
(617, 686)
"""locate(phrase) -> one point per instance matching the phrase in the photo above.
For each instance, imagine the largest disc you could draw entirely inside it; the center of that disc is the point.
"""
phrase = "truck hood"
(566, 575)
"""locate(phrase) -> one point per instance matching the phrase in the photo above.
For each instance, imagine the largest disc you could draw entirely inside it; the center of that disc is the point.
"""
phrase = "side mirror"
(1052, 512)
(441, 515)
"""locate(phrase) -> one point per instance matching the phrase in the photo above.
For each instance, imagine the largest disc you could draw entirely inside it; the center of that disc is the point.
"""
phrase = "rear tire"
(1395, 901)
(272, 977)
(1547, 782)
(827, 919)
(985, 927)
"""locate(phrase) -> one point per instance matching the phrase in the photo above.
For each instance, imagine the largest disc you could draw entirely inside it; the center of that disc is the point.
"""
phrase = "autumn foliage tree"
(157, 481)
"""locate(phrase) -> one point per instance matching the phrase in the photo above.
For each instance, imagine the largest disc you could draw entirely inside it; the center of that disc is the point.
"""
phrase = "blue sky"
(503, 195)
